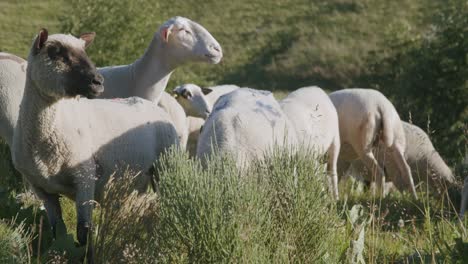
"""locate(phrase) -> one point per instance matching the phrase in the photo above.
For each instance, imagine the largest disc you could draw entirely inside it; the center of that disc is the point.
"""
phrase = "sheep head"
(187, 40)
(193, 100)
(59, 66)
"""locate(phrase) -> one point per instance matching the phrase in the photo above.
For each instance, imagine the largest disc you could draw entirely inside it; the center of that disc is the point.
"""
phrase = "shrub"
(426, 76)
(277, 211)
(125, 223)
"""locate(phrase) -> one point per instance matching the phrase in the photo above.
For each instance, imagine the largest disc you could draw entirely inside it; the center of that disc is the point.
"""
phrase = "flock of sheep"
(64, 144)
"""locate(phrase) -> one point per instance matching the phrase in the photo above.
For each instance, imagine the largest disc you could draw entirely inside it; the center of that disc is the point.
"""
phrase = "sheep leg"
(53, 209)
(84, 208)
(54, 214)
(403, 167)
(377, 173)
(332, 167)
(342, 168)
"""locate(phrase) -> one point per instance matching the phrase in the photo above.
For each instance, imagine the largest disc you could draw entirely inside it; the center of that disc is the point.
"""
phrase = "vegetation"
(414, 51)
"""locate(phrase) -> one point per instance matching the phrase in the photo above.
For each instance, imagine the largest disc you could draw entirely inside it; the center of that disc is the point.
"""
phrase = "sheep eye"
(186, 31)
(54, 52)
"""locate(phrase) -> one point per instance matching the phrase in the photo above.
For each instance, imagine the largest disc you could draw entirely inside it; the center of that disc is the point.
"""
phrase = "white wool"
(366, 115)
(12, 80)
(68, 40)
(245, 124)
(315, 120)
(178, 117)
(425, 162)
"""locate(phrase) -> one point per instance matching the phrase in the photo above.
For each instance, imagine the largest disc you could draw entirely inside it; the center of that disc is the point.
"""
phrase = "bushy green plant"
(277, 211)
(426, 76)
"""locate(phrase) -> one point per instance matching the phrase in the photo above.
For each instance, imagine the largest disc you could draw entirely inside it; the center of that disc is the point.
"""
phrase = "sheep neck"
(37, 113)
(152, 71)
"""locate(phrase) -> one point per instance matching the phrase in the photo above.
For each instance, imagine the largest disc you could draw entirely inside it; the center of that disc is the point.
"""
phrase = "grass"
(278, 212)
(21, 20)
(280, 45)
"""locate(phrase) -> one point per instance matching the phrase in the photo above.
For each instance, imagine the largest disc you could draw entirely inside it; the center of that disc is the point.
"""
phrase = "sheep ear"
(88, 38)
(206, 91)
(166, 32)
(40, 40)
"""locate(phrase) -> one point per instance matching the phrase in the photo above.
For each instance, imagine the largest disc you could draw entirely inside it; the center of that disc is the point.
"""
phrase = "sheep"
(66, 145)
(178, 41)
(425, 162)
(315, 120)
(12, 79)
(365, 117)
(245, 124)
(198, 101)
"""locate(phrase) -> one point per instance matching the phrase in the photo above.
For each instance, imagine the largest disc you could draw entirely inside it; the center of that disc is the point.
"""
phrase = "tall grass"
(279, 210)
(15, 243)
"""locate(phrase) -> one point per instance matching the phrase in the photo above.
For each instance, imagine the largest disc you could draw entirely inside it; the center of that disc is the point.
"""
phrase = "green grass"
(21, 20)
(279, 45)
(279, 211)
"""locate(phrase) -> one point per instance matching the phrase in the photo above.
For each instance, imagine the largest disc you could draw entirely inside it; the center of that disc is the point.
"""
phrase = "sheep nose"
(216, 48)
(98, 79)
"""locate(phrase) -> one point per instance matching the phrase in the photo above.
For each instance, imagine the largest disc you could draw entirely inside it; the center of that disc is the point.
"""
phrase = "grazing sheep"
(314, 117)
(178, 41)
(64, 145)
(425, 162)
(197, 101)
(366, 117)
(245, 123)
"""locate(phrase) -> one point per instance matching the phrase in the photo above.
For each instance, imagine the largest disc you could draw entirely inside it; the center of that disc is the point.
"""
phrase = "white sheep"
(425, 162)
(198, 101)
(366, 117)
(245, 124)
(178, 41)
(315, 120)
(64, 145)
(12, 80)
